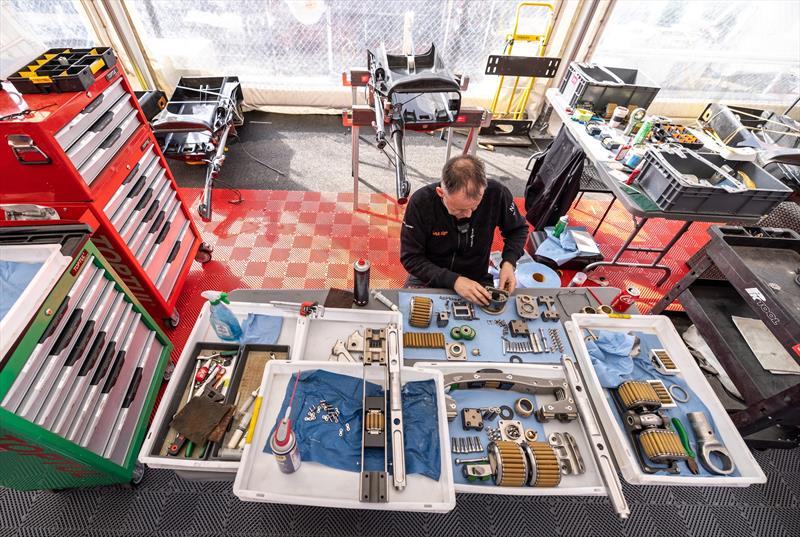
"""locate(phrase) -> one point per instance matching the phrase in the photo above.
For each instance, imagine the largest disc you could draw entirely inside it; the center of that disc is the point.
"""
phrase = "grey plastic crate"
(662, 179)
(594, 87)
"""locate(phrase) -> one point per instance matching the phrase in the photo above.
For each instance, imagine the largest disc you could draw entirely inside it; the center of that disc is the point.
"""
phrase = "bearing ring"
(506, 413)
(524, 407)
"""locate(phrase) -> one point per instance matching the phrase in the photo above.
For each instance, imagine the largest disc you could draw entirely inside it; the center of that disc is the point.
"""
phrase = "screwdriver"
(690, 462)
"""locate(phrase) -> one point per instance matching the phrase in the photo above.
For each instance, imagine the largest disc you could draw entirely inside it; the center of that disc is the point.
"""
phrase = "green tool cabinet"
(81, 373)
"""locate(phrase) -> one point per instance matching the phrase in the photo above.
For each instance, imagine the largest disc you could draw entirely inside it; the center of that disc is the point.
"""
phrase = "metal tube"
(380, 133)
(403, 188)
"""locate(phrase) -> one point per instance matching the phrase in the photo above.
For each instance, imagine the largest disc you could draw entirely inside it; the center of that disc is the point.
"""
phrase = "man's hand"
(508, 281)
(472, 291)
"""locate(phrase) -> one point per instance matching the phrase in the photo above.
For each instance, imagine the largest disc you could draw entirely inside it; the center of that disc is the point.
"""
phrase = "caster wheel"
(204, 212)
(174, 320)
(168, 371)
(203, 255)
(138, 474)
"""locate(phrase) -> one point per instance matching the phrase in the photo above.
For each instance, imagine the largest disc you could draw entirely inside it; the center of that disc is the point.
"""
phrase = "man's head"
(462, 186)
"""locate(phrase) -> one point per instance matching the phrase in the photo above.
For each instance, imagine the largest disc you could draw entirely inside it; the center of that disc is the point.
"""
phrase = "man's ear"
(440, 191)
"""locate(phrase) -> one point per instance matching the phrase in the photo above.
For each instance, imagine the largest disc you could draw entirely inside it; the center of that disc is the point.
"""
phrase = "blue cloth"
(263, 329)
(14, 278)
(643, 369)
(319, 441)
(559, 249)
(611, 358)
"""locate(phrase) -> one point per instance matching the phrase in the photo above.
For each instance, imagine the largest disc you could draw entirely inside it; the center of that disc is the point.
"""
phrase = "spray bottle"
(223, 320)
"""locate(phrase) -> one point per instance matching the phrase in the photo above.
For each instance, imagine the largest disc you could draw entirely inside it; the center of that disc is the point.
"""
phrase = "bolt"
(467, 461)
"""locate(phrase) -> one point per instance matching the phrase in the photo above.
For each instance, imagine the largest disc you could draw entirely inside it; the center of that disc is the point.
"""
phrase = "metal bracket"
(566, 450)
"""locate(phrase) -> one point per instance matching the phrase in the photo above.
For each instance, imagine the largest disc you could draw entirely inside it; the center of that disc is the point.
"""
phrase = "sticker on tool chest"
(760, 300)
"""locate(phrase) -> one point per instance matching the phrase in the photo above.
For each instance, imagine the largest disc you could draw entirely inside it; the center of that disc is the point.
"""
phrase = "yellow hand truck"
(510, 124)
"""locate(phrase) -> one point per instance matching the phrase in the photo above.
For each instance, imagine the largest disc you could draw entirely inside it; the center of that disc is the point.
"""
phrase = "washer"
(515, 359)
(506, 412)
(684, 395)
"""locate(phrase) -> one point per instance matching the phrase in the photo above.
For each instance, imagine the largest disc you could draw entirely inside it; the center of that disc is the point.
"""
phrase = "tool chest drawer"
(90, 141)
(159, 243)
(87, 117)
(129, 182)
(176, 259)
(109, 145)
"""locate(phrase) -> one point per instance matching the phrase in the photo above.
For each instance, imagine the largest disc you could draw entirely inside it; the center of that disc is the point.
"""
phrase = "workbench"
(758, 267)
(610, 173)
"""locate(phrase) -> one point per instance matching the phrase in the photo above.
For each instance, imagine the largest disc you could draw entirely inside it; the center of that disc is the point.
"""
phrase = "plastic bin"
(260, 480)
(63, 70)
(594, 87)
(749, 472)
(662, 179)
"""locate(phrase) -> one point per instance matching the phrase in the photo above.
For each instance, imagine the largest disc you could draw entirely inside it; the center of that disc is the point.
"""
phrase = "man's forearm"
(514, 244)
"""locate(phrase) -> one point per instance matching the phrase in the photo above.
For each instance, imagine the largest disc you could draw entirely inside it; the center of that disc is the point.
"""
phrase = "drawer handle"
(91, 358)
(66, 335)
(174, 253)
(103, 122)
(150, 212)
(93, 105)
(105, 363)
(163, 234)
(157, 222)
(114, 374)
(133, 388)
(137, 187)
(145, 198)
(80, 343)
(131, 174)
(112, 138)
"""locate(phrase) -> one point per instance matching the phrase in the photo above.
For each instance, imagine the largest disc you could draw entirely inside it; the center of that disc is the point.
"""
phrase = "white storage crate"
(260, 480)
(590, 483)
(626, 459)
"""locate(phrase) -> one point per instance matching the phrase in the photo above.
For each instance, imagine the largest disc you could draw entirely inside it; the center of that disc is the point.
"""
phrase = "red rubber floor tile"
(270, 240)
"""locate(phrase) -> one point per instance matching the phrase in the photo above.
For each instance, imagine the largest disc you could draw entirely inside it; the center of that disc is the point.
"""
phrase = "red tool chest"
(92, 157)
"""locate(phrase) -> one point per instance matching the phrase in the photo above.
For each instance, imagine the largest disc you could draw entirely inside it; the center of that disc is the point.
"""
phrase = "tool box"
(89, 156)
(586, 441)
(82, 370)
(594, 87)
(665, 178)
(63, 70)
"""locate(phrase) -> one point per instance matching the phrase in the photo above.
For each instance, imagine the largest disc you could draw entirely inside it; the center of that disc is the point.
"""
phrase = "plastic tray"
(588, 484)
(749, 471)
(663, 182)
(260, 480)
(28, 303)
(194, 469)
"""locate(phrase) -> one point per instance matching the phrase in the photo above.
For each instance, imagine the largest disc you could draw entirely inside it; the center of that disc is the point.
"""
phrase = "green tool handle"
(683, 436)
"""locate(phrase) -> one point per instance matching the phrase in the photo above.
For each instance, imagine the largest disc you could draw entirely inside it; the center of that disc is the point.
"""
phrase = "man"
(448, 230)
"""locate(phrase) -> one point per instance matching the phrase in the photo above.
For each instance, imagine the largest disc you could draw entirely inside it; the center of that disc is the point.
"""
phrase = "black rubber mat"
(165, 505)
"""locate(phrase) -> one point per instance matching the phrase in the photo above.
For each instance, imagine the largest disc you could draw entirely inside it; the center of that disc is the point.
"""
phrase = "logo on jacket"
(440, 233)
(512, 208)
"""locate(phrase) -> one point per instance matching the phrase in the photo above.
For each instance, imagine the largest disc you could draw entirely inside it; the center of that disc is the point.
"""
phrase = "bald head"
(464, 174)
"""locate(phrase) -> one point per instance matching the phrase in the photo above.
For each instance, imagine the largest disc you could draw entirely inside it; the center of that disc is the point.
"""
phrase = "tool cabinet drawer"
(119, 444)
(157, 232)
(138, 230)
(71, 340)
(129, 182)
(98, 435)
(61, 319)
(87, 144)
(139, 195)
(79, 389)
(84, 349)
(110, 145)
(87, 117)
(97, 379)
(176, 260)
(165, 243)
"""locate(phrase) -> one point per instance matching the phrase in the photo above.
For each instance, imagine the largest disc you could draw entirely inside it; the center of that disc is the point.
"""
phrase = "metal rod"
(401, 182)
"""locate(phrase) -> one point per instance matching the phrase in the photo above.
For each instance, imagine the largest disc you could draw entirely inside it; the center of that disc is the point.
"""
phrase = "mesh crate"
(594, 87)
(663, 179)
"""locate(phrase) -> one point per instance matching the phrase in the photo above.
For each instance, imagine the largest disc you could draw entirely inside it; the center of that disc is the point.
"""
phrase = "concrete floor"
(314, 153)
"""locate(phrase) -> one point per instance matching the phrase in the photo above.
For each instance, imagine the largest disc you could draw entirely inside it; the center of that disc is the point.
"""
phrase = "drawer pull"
(112, 138)
(133, 388)
(131, 174)
(66, 335)
(80, 343)
(103, 122)
(114, 374)
(105, 363)
(91, 358)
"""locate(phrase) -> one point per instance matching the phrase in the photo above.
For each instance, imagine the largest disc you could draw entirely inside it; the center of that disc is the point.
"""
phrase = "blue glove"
(263, 329)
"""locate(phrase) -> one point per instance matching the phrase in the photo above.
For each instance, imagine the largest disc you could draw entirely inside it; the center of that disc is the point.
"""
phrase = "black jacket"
(434, 250)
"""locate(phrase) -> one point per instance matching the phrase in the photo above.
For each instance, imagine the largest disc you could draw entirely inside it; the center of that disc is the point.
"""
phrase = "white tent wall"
(290, 54)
